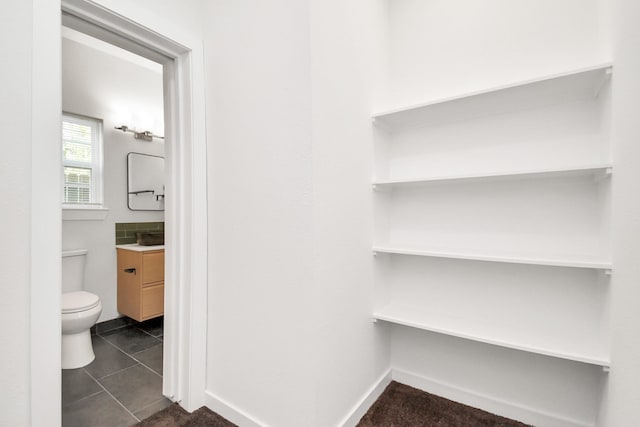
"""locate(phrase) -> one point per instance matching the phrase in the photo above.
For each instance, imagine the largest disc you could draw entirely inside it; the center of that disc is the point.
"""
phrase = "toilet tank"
(73, 270)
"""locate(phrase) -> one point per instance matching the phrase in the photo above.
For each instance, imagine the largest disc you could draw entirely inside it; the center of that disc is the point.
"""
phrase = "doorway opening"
(113, 226)
(183, 336)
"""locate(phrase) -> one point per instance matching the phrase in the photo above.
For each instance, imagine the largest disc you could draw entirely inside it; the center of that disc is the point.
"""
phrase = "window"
(81, 160)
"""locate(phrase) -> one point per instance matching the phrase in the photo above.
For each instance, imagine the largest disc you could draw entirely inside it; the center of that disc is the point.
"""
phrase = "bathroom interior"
(112, 234)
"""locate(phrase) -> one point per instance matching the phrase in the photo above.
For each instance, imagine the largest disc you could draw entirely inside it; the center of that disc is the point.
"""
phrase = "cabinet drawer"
(152, 301)
(152, 267)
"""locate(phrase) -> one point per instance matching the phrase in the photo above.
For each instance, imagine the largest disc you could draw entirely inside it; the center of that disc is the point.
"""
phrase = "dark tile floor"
(123, 385)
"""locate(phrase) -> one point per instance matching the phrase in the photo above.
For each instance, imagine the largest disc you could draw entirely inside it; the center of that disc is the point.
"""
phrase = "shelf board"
(584, 83)
(595, 170)
(569, 349)
(552, 262)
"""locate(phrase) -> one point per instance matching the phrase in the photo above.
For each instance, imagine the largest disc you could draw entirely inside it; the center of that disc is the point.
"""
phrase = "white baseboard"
(448, 391)
(365, 402)
(230, 412)
(487, 403)
(237, 416)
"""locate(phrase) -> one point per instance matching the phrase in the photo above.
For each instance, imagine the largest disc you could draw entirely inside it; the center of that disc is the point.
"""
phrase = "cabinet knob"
(130, 270)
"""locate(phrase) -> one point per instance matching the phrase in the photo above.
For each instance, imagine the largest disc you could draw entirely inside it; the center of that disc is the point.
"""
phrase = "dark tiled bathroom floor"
(123, 385)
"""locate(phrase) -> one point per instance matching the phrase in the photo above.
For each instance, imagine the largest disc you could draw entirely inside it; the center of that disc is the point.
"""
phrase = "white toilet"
(80, 311)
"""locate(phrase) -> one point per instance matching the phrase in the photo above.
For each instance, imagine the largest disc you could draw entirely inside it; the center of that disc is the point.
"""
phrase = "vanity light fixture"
(144, 135)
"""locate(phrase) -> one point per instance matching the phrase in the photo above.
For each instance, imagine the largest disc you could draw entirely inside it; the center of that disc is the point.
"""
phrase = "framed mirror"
(145, 182)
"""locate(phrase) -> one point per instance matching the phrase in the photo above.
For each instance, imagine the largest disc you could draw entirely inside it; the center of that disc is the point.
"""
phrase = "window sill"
(84, 213)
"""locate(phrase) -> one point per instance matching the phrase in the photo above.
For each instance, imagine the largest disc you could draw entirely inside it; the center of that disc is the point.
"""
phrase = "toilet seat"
(74, 302)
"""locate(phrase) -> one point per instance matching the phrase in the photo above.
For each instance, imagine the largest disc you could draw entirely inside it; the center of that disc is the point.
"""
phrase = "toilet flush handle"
(130, 270)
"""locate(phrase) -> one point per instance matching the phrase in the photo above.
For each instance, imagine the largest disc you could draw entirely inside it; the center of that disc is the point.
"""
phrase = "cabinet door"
(152, 267)
(129, 273)
(152, 301)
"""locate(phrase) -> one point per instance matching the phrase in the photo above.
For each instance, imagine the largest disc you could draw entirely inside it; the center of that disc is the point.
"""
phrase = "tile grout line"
(134, 358)
(142, 364)
(114, 398)
(118, 372)
(113, 345)
(151, 335)
(127, 326)
(111, 330)
(84, 397)
(122, 350)
(161, 343)
(114, 329)
(132, 355)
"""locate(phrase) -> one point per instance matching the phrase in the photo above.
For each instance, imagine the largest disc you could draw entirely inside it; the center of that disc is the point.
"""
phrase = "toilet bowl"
(80, 311)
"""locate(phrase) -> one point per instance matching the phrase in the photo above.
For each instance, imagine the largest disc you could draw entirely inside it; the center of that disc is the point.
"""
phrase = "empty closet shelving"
(585, 348)
(503, 195)
(600, 170)
(540, 91)
(554, 262)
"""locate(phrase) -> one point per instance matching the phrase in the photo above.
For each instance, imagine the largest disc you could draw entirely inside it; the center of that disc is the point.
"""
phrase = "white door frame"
(186, 202)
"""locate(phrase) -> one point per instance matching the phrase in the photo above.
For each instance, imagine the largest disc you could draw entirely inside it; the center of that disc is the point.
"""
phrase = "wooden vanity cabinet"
(141, 283)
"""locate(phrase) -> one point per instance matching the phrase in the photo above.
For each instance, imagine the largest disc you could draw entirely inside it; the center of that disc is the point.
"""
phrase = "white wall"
(290, 338)
(440, 48)
(347, 75)
(624, 394)
(15, 190)
(102, 85)
(30, 115)
(260, 334)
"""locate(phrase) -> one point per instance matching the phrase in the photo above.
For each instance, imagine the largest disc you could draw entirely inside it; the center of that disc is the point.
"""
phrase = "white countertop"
(139, 248)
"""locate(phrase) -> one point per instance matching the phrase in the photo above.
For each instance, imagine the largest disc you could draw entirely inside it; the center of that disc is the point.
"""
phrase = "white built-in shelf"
(549, 344)
(545, 90)
(600, 170)
(552, 262)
